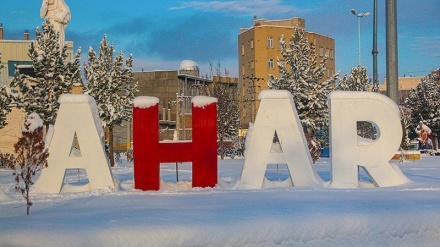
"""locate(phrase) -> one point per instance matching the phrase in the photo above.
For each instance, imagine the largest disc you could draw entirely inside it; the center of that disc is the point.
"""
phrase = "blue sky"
(160, 34)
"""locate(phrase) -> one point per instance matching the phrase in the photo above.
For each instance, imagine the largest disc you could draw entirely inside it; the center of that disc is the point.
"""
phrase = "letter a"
(277, 112)
(77, 119)
(350, 150)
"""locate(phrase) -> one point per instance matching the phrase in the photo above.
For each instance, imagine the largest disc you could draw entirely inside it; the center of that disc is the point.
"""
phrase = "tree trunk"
(110, 146)
(222, 148)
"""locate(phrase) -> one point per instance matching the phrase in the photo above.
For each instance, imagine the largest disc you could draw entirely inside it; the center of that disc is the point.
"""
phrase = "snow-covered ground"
(407, 215)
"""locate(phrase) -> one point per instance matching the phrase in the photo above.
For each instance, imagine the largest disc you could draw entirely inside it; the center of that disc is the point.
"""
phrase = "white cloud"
(430, 45)
(257, 7)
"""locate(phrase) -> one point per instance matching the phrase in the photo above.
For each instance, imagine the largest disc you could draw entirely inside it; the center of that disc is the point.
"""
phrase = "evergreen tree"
(425, 104)
(358, 80)
(54, 75)
(5, 101)
(300, 73)
(110, 82)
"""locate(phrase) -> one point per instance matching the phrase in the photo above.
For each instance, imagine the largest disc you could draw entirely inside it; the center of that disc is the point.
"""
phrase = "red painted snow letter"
(148, 152)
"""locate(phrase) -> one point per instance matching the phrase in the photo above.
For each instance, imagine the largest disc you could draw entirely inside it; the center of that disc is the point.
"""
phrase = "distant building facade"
(15, 52)
(405, 86)
(175, 89)
(258, 50)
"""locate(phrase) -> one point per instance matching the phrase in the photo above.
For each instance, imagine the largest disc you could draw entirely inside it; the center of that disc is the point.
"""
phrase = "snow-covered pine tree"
(110, 82)
(358, 80)
(54, 75)
(301, 74)
(424, 103)
(5, 102)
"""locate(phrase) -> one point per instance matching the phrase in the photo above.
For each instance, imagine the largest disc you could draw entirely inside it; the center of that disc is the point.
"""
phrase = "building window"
(242, 69)
(270, 42)
(270, 63)
(331, 54)
(331, 72)
(327, 53)
(321, 51)
(242, 49)
(252, 65)
(328, 72)
(252, 44)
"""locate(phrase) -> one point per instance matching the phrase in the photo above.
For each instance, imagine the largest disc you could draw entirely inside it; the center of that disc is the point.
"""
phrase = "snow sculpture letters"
(277, 113)
(77, 120)
(350, 150)
(149, 152)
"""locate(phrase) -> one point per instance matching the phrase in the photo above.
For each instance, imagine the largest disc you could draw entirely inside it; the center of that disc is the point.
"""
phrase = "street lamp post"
(359, 16)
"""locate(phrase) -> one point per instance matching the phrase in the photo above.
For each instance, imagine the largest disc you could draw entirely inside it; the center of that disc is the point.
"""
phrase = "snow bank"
(202, 101)
(407, 215)
(145, 102)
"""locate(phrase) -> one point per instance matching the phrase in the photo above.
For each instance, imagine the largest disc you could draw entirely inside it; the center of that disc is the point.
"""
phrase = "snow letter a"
(277, 113)
(77, 143)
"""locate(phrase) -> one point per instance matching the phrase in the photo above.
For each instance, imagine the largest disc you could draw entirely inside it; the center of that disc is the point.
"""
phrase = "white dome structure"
(188, 65)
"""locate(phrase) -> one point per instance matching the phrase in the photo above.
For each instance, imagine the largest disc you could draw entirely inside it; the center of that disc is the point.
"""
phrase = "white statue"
(58, 14)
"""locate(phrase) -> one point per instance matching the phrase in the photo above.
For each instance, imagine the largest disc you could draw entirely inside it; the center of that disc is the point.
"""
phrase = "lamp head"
(353, 11)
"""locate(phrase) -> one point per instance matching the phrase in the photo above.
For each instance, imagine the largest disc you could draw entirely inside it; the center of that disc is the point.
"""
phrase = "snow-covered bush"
(424, 103)
(31, 156)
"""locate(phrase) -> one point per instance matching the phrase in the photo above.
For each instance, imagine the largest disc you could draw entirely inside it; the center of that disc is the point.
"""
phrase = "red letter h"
(148, 152)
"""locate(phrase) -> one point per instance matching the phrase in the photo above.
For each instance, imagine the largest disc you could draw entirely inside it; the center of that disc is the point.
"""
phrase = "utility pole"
(251, 90)
(391, 54)
(375, 51)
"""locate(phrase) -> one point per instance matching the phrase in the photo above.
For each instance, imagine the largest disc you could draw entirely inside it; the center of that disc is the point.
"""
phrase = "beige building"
(258, 50)
(405, 86)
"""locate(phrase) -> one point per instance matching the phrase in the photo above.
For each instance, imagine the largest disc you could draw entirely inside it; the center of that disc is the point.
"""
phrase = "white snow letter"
(348, 150)
(77, 122)
(277, 112)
